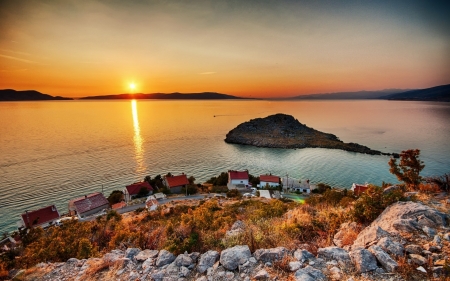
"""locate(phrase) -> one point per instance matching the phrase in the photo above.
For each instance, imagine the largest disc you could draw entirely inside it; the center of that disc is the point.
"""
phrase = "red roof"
(118, 205)
(134, 188)
(269, 178)
(41, 216)
(238, 175)
(174, 181)
(360, 189)
(90, 202)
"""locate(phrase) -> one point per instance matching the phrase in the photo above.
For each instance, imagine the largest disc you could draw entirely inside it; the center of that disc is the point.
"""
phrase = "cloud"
(17, 59)
(207, 73)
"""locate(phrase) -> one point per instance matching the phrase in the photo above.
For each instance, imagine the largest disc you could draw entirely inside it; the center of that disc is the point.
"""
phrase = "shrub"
(115, 197)
(234, 193)
(321, 188)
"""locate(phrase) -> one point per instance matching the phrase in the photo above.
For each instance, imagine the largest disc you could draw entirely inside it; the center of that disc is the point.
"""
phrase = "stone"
(344, 230)
(429, 231)
(148, 263)
(164, 257)
(302, 275)
(363, 260)
(439, 263)
(391, 189)
(405, 225)
(202, 278)
(413, 249)
(303, 255)
(237, 228)
(145, 254)
(317, 274)
(184, 271)
(231, 258)
(335, 273)
(229, 275)
(207, 260)
(385, 260)
(158, 275)
(421, 269)
(437, 270)
(334, 253)
(270, 255)
(397, 215)
(431, 248)
(424, 221)
(446, 236)
(183, 260)
(437, 239)
(417, 259)
(391, 247)
(130, 253)
(294, 265)
(113, 256)
(262, 275)
(194, 256)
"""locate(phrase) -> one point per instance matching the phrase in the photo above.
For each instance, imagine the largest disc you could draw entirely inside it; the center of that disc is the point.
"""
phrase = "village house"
(176, 183)
(133, 190)
(359, 189)
(237, 179)
(268, 180)
(42, 217)
(88, 205)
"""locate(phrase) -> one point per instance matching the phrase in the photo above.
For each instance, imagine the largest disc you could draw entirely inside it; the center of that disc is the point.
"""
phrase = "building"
(359, 189)
(176, 183)
(88, 205)
(269, 180)
(291, 184)
(237, 178)
(133, 190)
(42, 217)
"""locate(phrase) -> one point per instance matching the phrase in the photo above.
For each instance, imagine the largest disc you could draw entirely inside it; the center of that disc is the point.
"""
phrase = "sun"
(132, 86)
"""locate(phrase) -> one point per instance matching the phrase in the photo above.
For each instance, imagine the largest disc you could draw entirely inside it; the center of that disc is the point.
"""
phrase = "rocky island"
(284, 131)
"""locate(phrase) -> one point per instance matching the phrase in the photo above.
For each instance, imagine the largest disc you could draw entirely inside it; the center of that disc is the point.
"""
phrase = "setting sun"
(132, 86)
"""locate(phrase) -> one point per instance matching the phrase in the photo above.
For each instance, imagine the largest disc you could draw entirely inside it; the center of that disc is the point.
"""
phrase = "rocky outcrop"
(284, 131)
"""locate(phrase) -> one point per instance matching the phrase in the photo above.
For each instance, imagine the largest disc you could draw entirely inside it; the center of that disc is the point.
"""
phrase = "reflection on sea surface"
(137, 138)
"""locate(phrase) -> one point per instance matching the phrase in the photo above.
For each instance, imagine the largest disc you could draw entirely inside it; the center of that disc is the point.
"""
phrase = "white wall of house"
(234, 182)
(126, 195)
(271, 184)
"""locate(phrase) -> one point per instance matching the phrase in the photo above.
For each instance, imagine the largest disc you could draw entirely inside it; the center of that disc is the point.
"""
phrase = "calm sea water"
(51, 152)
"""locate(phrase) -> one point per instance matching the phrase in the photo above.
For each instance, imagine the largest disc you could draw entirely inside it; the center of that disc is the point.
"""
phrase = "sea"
(54, 151)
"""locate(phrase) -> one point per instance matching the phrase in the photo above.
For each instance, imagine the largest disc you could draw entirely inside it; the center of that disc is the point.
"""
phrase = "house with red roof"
(133, 190)
(359, 189)
(176, 183)
(42, 217)
(269, 180)
(237, 178)
(88, 205)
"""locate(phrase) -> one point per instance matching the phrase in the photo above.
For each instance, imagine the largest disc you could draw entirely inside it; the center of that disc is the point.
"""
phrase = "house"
(291, 184)
(133, 189)
(42, 217)
(88, 205)
(176, 183)
(359, 189)
(237, 178)
(269, 180)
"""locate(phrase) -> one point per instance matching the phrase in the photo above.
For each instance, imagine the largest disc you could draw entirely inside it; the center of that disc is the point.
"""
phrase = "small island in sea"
(284, 131)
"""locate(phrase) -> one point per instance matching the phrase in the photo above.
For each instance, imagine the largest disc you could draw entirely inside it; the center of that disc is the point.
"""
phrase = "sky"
(266, 48)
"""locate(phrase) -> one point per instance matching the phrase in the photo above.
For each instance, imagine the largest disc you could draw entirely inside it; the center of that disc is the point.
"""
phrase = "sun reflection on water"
(138, 140)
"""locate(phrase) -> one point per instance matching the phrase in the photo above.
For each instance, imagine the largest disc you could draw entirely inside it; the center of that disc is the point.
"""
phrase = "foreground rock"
(284, 131)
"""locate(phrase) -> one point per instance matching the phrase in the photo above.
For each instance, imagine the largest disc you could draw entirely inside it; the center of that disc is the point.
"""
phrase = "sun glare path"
(138, 140)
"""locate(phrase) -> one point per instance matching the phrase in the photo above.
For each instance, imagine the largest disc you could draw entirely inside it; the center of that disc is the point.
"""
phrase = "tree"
(191, 180)
(408, 169)
(115, 197)
(143, 192)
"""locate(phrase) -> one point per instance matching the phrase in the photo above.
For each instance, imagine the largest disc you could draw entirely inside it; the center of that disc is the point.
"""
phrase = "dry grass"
(97, 266)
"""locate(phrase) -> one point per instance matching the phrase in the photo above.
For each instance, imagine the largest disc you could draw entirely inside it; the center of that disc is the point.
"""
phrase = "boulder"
(385, 260)
(114, 256)
(270, 255)
(302, 275)
(413, 249)
(429, 231)
(391, 247)
(130, 253)
(334, 253)
(317, 274)
(295, 265)
(335, 273)
(303, 255)
(262, 275)
(164, 257)
(344, 232)
(237, 228)
(207, 260)
(424, 221)
(145, 254)
(391, 189)
(231, 258)
(398, 217)
(363, 260)
(183, 260)
(417, 259)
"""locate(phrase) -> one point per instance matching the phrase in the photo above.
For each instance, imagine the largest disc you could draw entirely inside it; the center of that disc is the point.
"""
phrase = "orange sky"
(257, 48)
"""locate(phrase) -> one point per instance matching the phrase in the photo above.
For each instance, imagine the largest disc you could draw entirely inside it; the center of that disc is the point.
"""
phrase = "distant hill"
(439, 93)
(349, 95)
(30, 95)
(172, 96)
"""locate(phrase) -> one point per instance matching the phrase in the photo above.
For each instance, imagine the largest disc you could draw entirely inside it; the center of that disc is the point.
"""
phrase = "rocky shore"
(284, 131)
(407, 237)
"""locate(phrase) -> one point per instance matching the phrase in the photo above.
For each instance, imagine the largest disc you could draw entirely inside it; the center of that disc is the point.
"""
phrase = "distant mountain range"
(30, 95)
(172, 96)
(439, 93)
(350, 95)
